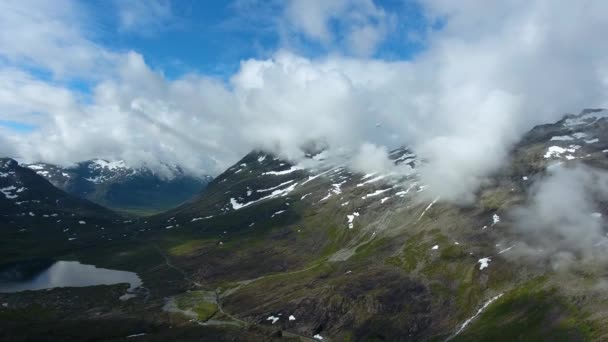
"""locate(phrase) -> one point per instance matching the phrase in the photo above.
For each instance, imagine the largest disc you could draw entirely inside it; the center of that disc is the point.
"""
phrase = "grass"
(531, 313)
(496, 199)
(200, 302)
(187, 248)
(205, 310)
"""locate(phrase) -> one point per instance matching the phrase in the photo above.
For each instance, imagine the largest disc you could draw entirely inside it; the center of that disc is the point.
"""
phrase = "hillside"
(355, 256)
(36, 216)
(273, 250)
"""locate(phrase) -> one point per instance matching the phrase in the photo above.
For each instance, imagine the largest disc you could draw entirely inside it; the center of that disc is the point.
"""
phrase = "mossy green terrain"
(531, 312)
(200, 302)
(332, 257)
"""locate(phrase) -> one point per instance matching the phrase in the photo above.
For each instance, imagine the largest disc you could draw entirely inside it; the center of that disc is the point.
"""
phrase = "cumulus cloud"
(144, 17)
(362, 25)
(6, 148)
(51, 35)
(562, 223)
(488, 73)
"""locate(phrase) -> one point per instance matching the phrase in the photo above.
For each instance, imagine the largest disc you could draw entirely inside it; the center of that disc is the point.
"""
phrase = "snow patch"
(36, 167)
(136, 335)
(495, 219)
(284, 172)
(506, 250)
(275, 187)
(276, 193)
(468, 321)
(561, 138)
(112, 165)
(592, 141)
(375, 179)
(556, 151)
(376, 193)
(484, 263)
(588, 118)
(201, 218)
(277, 213)
(7, 192)
(427, 208)
(351, 218)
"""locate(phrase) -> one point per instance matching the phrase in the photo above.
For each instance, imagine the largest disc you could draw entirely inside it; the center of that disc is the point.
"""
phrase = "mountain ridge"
(279, 250)
(116, 185)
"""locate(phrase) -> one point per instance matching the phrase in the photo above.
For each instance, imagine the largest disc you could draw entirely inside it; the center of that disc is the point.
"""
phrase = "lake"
(45, 275)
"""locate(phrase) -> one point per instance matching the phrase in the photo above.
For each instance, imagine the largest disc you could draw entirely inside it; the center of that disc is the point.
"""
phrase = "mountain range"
(272, 250)
(115, 185)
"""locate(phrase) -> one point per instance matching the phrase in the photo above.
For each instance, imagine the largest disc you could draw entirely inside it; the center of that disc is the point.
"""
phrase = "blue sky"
(212, 37)
(67, 67)
(201, 83)
(17, 126)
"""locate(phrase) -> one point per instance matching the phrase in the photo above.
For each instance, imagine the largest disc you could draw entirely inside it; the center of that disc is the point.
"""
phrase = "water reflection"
(70, 274)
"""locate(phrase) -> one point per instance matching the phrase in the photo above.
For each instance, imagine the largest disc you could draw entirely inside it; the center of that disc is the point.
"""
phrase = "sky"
(201, 83)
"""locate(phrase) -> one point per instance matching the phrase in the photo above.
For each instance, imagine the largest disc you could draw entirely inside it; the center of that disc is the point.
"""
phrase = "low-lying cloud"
(489, 72)
(563, 223)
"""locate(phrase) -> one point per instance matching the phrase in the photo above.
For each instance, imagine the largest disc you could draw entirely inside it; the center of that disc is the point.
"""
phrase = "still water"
(67, 274)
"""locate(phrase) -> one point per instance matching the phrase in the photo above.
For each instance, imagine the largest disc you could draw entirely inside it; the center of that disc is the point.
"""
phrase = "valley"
(272, 250)
(129, 190)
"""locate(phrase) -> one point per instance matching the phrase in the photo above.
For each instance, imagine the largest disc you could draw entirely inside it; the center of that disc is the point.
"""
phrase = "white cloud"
(144, 17)
(488, 75)
(558, 225)
(371, 159)
(361, 25)
(51, 35)
(312, 17)
(6, 148)
(363, 40)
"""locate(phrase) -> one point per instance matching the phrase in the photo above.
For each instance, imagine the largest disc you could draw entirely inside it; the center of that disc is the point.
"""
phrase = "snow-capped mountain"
(350, 256)
(318, 251)
(27, 198)
(116, 185)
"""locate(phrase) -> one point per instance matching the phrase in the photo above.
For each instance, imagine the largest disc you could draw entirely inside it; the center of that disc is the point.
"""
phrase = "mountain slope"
(41, 216)
(115, 185)
(360, 257)
(284, 251)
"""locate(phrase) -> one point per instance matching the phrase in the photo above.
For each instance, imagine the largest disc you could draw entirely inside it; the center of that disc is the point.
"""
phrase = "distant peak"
(110, 165)
(7, 163)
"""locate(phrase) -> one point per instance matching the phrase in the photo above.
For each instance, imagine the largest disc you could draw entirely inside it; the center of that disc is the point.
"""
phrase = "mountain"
(115, 185)
(273, 250)
(35, 212)
(373, 257)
